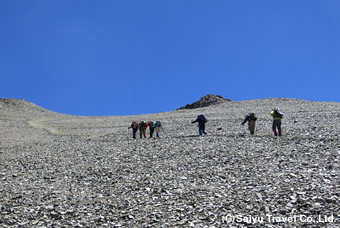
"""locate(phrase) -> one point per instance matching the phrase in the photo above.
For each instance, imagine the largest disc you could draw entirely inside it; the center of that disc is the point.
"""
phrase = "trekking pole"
(244, 130)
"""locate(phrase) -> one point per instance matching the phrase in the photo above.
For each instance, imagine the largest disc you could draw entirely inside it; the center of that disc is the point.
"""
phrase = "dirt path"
(40, 125)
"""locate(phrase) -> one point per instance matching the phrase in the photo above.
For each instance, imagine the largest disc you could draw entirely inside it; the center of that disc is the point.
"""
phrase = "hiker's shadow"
(240, 135)
(187, 136)
(197, 136)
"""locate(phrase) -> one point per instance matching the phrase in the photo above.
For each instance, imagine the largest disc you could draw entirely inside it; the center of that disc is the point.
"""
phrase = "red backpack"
(134, 124)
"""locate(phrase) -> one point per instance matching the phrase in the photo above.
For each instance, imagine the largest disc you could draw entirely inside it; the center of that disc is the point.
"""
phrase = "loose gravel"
(58, 170)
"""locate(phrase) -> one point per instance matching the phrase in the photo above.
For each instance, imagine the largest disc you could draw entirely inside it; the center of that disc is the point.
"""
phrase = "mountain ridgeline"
(206, 101)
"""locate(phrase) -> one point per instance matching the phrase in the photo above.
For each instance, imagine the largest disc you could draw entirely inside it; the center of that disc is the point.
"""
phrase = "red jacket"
(149, 124)
(135, 126)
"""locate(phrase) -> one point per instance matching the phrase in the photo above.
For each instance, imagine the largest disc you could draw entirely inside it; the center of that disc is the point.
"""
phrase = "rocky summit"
(206, 101)
(58, 170)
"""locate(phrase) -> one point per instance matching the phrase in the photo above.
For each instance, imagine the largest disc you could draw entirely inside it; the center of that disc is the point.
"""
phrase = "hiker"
(251, 118)
(201, 124)
(158, 126)
(151, 126)
(134, 126)
(277, 117)
(142, 129)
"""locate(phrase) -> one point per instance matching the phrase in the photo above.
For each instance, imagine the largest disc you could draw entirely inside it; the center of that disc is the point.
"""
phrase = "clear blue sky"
(124, 57)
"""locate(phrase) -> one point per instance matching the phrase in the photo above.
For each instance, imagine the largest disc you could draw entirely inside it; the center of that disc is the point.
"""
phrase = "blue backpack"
(202, 117)
(158, 124)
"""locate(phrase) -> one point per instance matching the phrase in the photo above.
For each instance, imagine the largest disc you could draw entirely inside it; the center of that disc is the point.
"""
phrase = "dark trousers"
(134, 131)
(151, 131)
(201, 129)
(251, 126)
(277, 124)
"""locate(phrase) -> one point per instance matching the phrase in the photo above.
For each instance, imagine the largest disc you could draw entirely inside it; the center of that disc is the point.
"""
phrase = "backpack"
(252, 117)
(134, 124)
(158, 124)
(142, 125)
(277, 114)
(202, 118)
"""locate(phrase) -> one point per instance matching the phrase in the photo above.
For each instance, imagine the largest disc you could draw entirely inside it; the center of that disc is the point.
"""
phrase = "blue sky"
(125, 57)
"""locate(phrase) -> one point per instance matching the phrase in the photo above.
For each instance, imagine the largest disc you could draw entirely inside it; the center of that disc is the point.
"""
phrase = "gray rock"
(70, 171)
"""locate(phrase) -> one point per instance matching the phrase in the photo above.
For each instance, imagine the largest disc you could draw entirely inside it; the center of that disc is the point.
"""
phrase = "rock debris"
(72, 171)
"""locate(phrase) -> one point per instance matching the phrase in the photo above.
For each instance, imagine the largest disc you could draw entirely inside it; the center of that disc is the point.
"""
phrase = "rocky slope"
(66, 171)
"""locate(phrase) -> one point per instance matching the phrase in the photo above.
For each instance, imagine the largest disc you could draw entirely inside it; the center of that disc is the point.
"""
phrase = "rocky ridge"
(206, 101)
(20, 108)
(66, 171)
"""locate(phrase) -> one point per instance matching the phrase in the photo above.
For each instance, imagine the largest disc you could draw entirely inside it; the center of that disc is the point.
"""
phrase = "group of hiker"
(157, 126)
(276, 127)
(142, 126)
(201, 120)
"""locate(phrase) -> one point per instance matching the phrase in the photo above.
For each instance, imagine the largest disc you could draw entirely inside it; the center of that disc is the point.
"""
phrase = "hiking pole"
(244, 130)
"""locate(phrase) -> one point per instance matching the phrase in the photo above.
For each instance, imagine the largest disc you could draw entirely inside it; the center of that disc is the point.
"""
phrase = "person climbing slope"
(151, 126)
(158, 126)
(201, 120)
(277, 117)
(134, 126)
(251, 118)
(142, 129)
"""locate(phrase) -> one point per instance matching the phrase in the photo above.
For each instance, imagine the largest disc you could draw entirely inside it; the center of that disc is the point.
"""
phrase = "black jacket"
(200, 122)
(248, 118)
